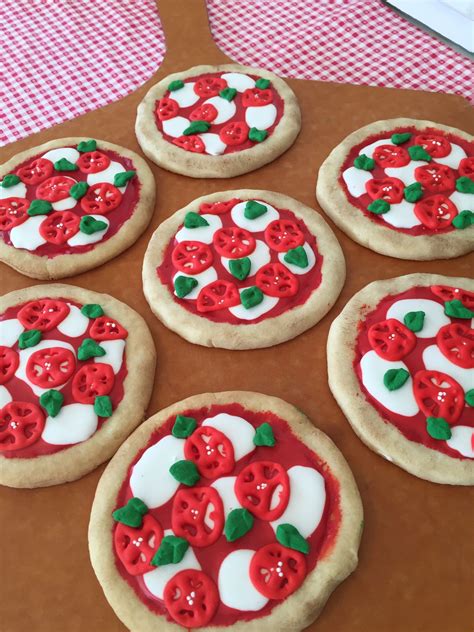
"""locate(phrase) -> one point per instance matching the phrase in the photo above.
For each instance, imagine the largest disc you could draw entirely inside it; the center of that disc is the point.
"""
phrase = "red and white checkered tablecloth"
(60, 59)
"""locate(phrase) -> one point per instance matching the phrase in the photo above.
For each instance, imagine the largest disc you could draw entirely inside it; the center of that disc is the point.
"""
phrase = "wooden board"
(417, 554)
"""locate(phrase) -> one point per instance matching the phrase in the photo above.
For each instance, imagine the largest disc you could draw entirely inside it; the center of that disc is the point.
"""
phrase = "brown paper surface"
(416, 571)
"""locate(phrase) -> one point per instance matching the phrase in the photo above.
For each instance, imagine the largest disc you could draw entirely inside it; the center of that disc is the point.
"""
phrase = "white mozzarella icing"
(462, 440)
(265, 306)
(407, 173)
(401, 401)
(239, 81)
(355, 180)
(225, 488)
(185, 96)
(5, 396)
(157, 579)
(435, 318)
(150, 479)
(10, 331)
(369, 149)
(75, 324)
(27, 235)
(296, 269)
(235, 586)
(25, 356)
(463, 201)
(307, 499)
(73, 424)
(175, 126)
(69, 153)
(203, 278)
(64, 205)
(201, 233)
(401, 215)
(258, 258)
(435, 361)
(107, 175)
(113, 353)
(453, 159)
(239, 432)
(17, 190)
(83, 239)
(213, 144)
(261, 117)
(225, 109)
(257, 224)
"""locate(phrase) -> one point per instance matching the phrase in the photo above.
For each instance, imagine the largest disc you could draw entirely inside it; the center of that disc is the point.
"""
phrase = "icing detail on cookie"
(434, 319)
(236, 589)
(73, 424)
(462, 440)
(75, 324)
(239, 432)
(226, 489)
(258, 223)
(10, 331)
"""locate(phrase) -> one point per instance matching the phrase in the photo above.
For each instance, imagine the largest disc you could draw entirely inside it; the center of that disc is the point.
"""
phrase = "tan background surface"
(416, 571)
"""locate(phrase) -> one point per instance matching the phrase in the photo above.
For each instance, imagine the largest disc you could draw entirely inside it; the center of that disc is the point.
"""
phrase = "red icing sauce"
(239, 115)
(413, 428)
(288, 452)
(378, 173)
(307, 282)
(21, 391)
(116, 217)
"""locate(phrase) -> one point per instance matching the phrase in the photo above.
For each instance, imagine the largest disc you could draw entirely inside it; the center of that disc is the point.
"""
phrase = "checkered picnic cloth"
(60, 59)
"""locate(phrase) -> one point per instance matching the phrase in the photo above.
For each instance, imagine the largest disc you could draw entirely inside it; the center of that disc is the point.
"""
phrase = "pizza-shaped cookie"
(70, 205)
(401, 366)
(217, 121)
(404, 188)
(242, 269)
(76, 373)
(224, 510)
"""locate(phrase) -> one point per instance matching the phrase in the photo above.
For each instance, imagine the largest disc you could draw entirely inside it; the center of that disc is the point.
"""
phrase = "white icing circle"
(368, 150)
(461, 440)
(175, 126)
(238, 81)
(225, 109)
(235, 586)
(239, 432)
(27, 235)
(201, 233)
(213, 144)
(203, 278)
(268, 303)
(225, 488)
(407, 173)
(75, 324)
(83, 239)
(10, 331)
(454, 157)
(261, 117)
(296, 269)
(463, 201)
(257, 224)
(107, 175)
(64, 205)
(69, 153)
(185, 96)
(435, 318)
(355, 180)
(5, 396)
(73, 424)
(258, 258)
(435, 361)
(401, 215)
(17, 190)
(113, 353)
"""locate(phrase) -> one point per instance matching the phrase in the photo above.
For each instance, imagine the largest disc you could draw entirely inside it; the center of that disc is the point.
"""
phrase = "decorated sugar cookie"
(225, 509)
(217, 121)
(404, 188)
(401, 366)
(243, 269)
(72, 204)
(76, 372)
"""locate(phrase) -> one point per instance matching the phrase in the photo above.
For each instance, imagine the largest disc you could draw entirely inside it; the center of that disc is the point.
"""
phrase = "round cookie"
(72, 204)
(403, 188)
(242, 269)
(217, 121)
(226, 509)
(401, 367)
(76, 374)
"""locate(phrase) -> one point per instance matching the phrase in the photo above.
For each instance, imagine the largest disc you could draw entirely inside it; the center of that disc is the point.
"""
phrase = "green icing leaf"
(171, 551)
(63, 164)
(438, 428)
(463, 220)
(264, 436)
(9, 181)
(39, 207)
(90, 225)
(238, 523)
(87, 145)
(197, 127)
(29, 338)
(90, 349)
(413, 192)
(52, 401)
(228, 94)
(456, 309)
(257, 135)
(289, 536)
(194, 220)
(78, 190)
(364, 162)
(262, 84)
(465, 185)
(240, 268)
(92, 310)
(399, 139)
(394, 379)
(254, 209)
(470, 397)
(121, 179)
(103, 406)
(185, 472)
(184, 285)
(297, 257)
(414, 320)
(417, 152)
(183, 426)
(132, 513)
(379, 207)
(177, 84)
(251, 296)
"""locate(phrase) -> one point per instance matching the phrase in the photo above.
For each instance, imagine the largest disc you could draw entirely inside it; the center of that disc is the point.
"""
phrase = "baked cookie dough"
(76, 373)
(242, 269)
(404, 188)
(401, 367)
(72, 204)
(226, 509)
(217, 121)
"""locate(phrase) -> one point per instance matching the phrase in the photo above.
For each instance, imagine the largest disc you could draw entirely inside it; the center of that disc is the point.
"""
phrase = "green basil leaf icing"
(228, 94)
(183, 426)
(103, 406)
(414, 320)
(9, 181)
(254, 209)
(262, 84)
(456, 309)
(78, 190)
(197, 127)
(121, 179)
(194, 220)
(470, 397)
(183, 285)
(90, 349)
(264, 436)
(240, 268)
(92, 310)
(463, 220)
(29, 338)
(364, 162)
(177, 84)
(238, 523)
(171, 551)
(297, 257)
(465, 185)
(399, 139)
(438, 428)
(90, 225)
(87, 145)
(257, 135)
(379, 207)
(417, 152)
(413, 192)
(394, 379)
(63, 164)
(132, 513)
(185, 472)
(251, 296)
(52, 401)
(289, 536)
(39, 207)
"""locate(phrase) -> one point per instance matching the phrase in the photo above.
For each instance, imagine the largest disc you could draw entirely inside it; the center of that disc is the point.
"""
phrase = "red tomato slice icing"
(192, 257)
(21, 424)
(191, 598)
(234, 242)
(456, 342)
(283, 234)
(438, 395)
(91, 381)
(217, 295)
(211, 451)
(276, 571)
(13, 212)
(274, 279)
(435, 212)
(48, 368)
(36, 171)
(8, 364)
(136, 547)
(106, 328)
(198, 515)
(60, 226)
(436, 146)
(389, 189)
(387, 156)
(101, 199)
(391, 340)
(263, 487)
(93, 162)
(447, 293)
(55, 189)
(44, 314)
